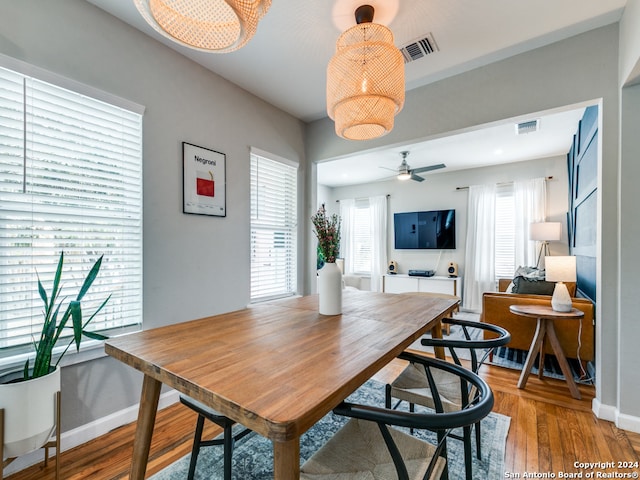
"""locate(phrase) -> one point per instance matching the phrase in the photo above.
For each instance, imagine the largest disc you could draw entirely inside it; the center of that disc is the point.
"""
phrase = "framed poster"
(204, 181)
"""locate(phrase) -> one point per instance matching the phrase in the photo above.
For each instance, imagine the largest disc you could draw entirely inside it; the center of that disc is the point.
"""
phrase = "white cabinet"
(401, 283)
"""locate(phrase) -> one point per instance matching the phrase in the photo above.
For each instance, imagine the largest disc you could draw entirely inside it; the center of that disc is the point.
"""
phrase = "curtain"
(479, 275)
(530, 201)
(378, 211)
(347, 213)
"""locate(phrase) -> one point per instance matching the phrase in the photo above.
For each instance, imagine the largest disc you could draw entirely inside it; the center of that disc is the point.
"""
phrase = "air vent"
(419, 48)
(527, 127)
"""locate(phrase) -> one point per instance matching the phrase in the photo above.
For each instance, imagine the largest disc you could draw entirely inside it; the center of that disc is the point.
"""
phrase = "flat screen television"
(425, 230)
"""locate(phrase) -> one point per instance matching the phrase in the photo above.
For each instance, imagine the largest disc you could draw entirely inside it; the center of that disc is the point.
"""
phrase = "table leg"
(562, 360)
(144, 428)
(436, 332)
(541, 361)
(286, 460)
(541, 329)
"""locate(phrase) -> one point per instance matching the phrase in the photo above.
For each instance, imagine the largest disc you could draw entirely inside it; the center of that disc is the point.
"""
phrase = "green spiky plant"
(53, 328)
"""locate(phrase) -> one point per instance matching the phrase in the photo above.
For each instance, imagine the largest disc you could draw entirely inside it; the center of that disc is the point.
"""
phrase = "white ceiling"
(484, 146)
(285, 63)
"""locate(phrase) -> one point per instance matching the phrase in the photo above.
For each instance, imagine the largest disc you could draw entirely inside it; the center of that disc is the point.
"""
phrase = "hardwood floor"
(549, 432)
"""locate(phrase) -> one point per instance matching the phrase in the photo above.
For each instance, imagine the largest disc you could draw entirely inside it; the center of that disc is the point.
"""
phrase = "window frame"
(288, 230)
(505, 196)
(16, 355)
(362, 213)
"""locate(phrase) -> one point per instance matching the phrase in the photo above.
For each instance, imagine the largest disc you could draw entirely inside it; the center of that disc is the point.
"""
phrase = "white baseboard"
(88, 432)
(604, 412)
(628, 422)
(610, 413)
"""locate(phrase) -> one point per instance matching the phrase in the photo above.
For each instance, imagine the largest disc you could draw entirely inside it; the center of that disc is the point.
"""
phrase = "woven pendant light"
(218, 26)
(365, 80)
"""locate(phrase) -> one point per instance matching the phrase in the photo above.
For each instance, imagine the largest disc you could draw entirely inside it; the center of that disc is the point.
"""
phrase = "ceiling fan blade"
(429, 168)
(416, 177)
(387, 168)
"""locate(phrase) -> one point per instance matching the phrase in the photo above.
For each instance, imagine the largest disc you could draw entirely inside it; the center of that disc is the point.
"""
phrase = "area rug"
(253, 455)
(513, 358)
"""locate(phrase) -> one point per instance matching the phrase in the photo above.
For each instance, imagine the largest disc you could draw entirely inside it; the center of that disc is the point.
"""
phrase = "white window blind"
(362, 236)
(273, 228)
(505, 242)
(70, 180)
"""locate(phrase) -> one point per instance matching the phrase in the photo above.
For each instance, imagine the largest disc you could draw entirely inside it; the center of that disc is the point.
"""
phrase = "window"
(505, 239)
(70, 180)
(362, 237)
(273, 227)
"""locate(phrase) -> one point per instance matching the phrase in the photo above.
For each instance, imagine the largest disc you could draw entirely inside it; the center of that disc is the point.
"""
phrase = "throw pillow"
(532, 273)
(531, 286)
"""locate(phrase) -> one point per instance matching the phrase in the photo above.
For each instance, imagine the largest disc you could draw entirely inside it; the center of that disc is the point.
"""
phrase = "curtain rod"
(501, 183)
(363, 198)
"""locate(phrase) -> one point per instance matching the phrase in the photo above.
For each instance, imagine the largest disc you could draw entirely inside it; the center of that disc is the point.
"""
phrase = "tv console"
(403, 283)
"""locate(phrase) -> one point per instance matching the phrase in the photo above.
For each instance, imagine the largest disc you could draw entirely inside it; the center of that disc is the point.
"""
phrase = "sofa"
(576, 337)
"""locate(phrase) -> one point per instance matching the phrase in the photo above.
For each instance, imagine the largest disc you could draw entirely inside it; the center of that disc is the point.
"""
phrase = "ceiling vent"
(419, 48)
(527, 127)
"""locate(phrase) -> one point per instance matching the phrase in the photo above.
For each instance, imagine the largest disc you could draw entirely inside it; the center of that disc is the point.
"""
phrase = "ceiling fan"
(405, 172)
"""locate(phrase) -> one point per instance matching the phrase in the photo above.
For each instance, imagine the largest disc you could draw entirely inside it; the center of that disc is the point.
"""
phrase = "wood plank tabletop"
(278, 367)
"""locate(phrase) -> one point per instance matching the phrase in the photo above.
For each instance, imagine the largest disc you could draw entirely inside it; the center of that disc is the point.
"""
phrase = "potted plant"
(27, 394)
(327, 229)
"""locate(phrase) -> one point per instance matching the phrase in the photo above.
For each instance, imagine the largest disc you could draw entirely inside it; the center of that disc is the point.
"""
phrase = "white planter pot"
(330, 289)
(29, 411)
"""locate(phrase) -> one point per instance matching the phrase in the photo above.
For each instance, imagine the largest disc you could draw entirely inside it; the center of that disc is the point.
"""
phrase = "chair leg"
(478, 445)
(467, 452)
(228, 451)
(445, 472)
(412, 408)
(387, 396)
(196, 447)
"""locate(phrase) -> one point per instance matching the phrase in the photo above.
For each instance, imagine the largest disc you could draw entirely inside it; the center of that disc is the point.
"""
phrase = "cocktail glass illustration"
(205, 185)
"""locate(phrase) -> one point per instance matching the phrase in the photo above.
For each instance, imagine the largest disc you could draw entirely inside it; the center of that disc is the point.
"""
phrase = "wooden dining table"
(275, 367)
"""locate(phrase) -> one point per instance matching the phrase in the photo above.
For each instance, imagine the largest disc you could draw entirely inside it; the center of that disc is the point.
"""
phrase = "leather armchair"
(576, 336)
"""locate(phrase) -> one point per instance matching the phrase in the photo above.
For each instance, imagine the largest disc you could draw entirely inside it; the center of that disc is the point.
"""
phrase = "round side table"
(546, 316)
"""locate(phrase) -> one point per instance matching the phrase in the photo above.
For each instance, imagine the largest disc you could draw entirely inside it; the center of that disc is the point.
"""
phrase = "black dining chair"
(372, 445)
(413, 386)
(227, 440)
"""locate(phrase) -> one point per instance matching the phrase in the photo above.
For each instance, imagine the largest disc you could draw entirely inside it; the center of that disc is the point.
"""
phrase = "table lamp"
(561, 269)
(545, 232)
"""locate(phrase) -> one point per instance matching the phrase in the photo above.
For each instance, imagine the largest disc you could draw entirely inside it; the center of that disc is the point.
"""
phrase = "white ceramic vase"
(330, 289)
(29, 412)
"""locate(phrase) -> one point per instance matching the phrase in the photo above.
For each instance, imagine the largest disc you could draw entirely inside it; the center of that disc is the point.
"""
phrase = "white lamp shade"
(545, 231)
(365, 82)
(560, 269)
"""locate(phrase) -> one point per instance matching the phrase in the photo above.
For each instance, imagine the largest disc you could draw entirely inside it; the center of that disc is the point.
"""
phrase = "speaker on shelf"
(452, 269)
(393, 267)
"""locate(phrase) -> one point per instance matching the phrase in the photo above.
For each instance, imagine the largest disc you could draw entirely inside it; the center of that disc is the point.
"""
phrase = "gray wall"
(629, 326)
(193, 265)
(630, 43)
(580, 69)
(628, 406)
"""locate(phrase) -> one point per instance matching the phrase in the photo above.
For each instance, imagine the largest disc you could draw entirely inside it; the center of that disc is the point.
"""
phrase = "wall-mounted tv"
(425, 230)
